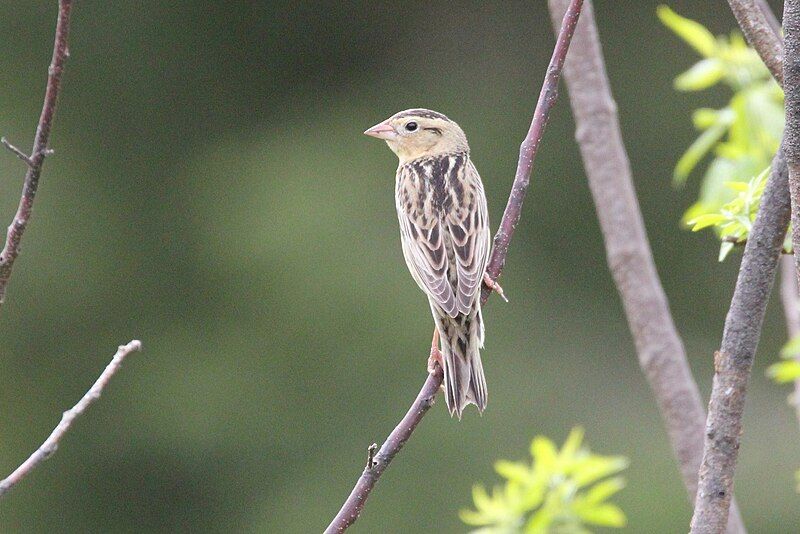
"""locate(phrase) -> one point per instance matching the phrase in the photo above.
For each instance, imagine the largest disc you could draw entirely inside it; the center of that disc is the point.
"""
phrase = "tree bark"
(660, 350)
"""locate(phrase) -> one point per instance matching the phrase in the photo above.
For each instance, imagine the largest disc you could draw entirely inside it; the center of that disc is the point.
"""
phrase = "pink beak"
(381, 131)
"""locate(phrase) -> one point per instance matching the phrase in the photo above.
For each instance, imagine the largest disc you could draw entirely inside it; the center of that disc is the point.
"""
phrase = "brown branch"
(659, 347)
(790, 297)
(734, 361)
(36, 159)
(529, 147)
(378, 462)
(51, 443)
(758, 31)
(354, 504)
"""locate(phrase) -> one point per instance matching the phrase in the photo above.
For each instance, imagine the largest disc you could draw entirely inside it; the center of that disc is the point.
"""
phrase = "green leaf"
(740, 187)
(605, 489)
(515, 471)
(539, 523)
(704, 118)
(604, 515)
(481, 497)
(702, 75)
(572, 443)
(596, 467)
(724, 249)
(694, 33)
(791, 348)
(704, 221)
(783, 372)
(701, 146)
(471, 517)
(544, 453)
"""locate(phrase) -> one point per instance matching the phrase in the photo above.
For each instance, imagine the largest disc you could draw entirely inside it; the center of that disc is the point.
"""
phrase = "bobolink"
(444, 230)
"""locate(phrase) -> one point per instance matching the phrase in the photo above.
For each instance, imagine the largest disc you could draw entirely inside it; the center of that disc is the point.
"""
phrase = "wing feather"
(429, 231)
(468, 224)
(424, 243)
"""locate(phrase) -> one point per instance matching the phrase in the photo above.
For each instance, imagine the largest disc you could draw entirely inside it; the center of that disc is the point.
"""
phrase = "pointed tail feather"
(462, 339)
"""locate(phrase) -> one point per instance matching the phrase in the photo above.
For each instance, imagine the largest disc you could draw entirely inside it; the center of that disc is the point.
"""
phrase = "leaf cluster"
(740, 139)
(561, 491)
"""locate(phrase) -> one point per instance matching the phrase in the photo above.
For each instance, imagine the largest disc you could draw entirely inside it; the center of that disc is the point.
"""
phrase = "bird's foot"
(494, 286)
(435, 359)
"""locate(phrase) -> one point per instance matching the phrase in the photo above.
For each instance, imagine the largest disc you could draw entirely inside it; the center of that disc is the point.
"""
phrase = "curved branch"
(36, 159)
(734, 361)
(354, 504)
(662, 356)
(48, 448)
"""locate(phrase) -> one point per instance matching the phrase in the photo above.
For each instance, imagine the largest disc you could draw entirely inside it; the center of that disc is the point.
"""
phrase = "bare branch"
(52, 442)
(734, 361)
(757, 29)
(660, 349)
(36, 160)
(354, 504)
(378, 462)
(529, 147)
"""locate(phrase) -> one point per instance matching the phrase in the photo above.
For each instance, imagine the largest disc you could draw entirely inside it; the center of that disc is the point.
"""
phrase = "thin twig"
(529, 147)
(16, 151)
(734, 361)
(51, 443)
(36, 160)
(354, 504)
(790, 297)
(380, 460)
(659, 347)
(758, 30)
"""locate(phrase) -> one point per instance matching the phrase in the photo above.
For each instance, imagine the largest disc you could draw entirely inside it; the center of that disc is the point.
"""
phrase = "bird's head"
(417, 133)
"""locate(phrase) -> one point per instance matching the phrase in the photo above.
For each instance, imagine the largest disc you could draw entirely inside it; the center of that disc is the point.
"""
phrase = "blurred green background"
(212, 195)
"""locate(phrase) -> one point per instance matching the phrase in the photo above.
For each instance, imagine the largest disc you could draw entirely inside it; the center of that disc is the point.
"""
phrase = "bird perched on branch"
(444, 230)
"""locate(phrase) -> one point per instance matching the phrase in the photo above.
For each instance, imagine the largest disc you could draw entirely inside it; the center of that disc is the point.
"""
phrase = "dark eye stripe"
(437, 131)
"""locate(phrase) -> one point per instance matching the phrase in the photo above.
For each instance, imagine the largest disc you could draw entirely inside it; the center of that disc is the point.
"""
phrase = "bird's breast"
(431, 188)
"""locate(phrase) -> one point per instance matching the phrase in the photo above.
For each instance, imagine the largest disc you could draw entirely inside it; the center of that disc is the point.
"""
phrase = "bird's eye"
(411, 126)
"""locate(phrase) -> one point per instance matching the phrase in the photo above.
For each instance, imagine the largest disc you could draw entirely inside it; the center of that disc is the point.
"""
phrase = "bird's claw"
(494, 286)
(435, 358)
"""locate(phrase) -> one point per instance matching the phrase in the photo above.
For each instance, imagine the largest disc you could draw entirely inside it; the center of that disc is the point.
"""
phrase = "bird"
(444, 232)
